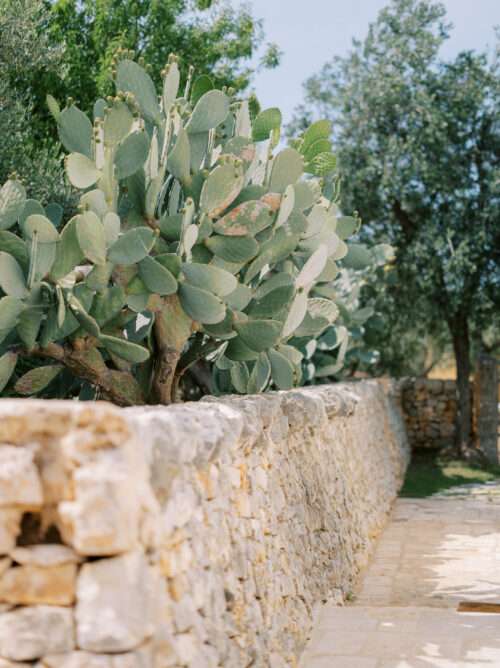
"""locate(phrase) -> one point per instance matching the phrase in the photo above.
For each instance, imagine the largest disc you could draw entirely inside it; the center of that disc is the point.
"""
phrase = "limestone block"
(33, 632)
(117, 603)
(10, 526)
(19, 480)
(4, 663)
(104, 518)
(142, 658)
(45, 556)
(32, 585)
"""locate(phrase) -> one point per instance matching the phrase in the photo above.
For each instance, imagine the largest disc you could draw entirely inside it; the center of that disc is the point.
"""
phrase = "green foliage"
(211, 36)
(418, 142)
(170, 261)
(25, 148)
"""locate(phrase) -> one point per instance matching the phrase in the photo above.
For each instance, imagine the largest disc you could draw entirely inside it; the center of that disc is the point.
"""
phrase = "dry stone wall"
(199, 535)
(430, 410)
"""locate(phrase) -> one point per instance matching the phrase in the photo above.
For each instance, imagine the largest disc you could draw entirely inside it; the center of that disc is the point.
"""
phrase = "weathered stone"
(104, 518)
(141, 658)
(45, 556)
(32, 585)
(10, 526)
(19, 480)
(30, 633)
(116, 603)
(4, 663)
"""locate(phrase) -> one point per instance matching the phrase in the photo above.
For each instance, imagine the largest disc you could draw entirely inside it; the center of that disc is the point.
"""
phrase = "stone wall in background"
(198, 535)
(430, 409)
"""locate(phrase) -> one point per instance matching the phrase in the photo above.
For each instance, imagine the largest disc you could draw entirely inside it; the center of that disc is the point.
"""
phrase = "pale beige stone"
(32, 585)
(117, 602)
(10, 526)
(4, 663)
(32, 632)
(141, 658)
(19, 480)
(45, 555)
(104, 518)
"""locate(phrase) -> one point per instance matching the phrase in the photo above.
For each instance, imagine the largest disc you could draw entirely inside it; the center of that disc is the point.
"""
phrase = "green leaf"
(75, 131)
(238, 351)
(8, 363)
(248, 218)
(201, 305)
(313, 267)
(240, 297)
(273, 304)
(239, 377)
(28, 325)
(317, 147)
(112, 227)
(265, 123)
(41, 226)
(321, 130)
(233, 249)
(131, 77)
(99, 109)
(358, 257)
(53, 106)
(304, 196)
(259, 335)
(259, 377)
(213, 279)
(10, 309)
(108, 304)
(132, 246)
(12, 244)
(68, 253)
(54, 212)
(170, 86)
(346, 226)
(170, 261)
(171, 226)
(282, 370)
(117, 123)
(37, 379)
(31, 206)
(98, 278)
(221, 188)
(322, 164)
(179, 158)
(287, 169)
(275, 250)
(201, 85)
(131, 154)
(211, 110)
(132, 352)
(88, 323)
(156, 277)
(12, 202)
(12, 279)
(82, 172)
(91, 237)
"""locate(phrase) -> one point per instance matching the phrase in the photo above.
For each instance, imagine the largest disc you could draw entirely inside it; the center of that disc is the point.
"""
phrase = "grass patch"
(428, 474)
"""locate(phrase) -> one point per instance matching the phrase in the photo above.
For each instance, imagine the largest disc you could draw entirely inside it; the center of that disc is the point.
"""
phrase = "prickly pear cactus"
(197, 238)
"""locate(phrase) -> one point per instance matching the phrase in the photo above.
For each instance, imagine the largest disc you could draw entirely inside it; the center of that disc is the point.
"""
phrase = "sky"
(310, 32)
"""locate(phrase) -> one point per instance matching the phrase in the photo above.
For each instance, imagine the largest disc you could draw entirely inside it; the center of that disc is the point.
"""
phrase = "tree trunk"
(459, 330)
(172, 330)
(486, 406)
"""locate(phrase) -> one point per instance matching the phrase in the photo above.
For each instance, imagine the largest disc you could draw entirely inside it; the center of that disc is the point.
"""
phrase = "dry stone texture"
(430, 410)
(198, 535)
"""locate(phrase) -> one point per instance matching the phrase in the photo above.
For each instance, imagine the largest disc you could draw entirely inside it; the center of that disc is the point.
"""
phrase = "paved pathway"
(434, 554)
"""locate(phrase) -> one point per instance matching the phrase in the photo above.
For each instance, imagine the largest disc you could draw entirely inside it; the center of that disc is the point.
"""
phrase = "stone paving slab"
(434, 553)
